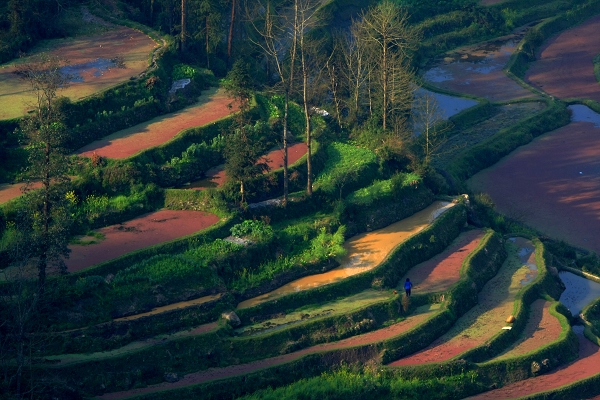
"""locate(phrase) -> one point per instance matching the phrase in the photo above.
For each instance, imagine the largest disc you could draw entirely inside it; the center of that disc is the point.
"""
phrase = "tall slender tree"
(48, 163)
(279, 42)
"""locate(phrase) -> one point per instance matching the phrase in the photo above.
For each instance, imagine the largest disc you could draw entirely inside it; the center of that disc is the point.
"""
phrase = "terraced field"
(486, 316)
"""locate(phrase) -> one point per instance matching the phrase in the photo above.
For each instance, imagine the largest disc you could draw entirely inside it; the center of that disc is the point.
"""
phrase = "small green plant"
(254, 230)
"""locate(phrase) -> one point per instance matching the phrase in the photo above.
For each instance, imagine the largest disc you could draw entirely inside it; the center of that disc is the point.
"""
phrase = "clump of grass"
(98, 237)
(345, 164)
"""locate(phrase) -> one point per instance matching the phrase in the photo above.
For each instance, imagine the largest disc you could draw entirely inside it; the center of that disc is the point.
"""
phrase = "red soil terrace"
(585, 366)
(564, 68)
(540, 183)
(442, 271)
(216, 176)
(212, 105)
(542, 328)
(233, 370)
(147, 230)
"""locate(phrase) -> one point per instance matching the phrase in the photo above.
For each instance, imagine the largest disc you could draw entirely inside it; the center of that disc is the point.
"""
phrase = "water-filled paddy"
(89, 58)
(477, 70)
(579, 291)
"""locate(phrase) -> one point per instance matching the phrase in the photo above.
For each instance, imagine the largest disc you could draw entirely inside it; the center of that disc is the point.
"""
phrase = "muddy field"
(564, 66)
(551, 184)
(364, 252)
(91, 63)
(211, 106)
(147, 230)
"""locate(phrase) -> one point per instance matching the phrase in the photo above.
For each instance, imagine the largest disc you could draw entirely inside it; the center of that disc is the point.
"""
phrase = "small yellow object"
(510, 319)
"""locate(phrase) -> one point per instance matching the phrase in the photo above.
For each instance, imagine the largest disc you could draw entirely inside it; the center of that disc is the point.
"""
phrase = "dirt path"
(586, 365)
(364, 252)
(147, 230)
(442, 271)
(89, 59)
(211, 106)
(216, 176)
(477, 70)
(233, 370)
(486, 319)
(542, 328)
(552, 184)
(564, 65)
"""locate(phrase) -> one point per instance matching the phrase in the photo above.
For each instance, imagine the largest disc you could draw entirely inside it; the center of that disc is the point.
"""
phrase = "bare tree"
(307, 19)
(391, 39)
(279, 42)
(429, 123)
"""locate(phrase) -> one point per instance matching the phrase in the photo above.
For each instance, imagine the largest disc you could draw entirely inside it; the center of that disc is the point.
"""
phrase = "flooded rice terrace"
(477, 70)
(579, 291)
(364, 252)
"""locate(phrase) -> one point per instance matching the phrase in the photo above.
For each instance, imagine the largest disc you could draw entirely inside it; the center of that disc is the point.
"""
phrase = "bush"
(254, 230)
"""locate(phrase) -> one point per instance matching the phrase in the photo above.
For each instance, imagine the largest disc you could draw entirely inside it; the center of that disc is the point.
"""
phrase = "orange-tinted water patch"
(132, 45)
(552, 184)
(170, 307)
(217, 176)
(586, 365)
(233, 370)
(542, 329)
(147, 230)
(487, 318)
(564, 66)
(442, 271)
(211, 106)
(364, 252)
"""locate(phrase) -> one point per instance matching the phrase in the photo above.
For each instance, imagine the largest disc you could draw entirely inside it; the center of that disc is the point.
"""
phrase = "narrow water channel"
(363, 253)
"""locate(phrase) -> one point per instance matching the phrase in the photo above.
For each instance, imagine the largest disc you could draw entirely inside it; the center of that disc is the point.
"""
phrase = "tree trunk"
(384, 85)
(306, 117)
(285, 149)
(207, 44)
(183, 25)
(42, 262)
(231, 25)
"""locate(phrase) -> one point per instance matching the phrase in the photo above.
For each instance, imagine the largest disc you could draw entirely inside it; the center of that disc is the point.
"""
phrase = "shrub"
(254, 230)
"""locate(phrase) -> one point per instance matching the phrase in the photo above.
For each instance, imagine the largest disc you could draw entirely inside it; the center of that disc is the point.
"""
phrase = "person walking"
(407, 286)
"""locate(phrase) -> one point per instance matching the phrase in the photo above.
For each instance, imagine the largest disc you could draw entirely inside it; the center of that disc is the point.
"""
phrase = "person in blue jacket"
(407, 286)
